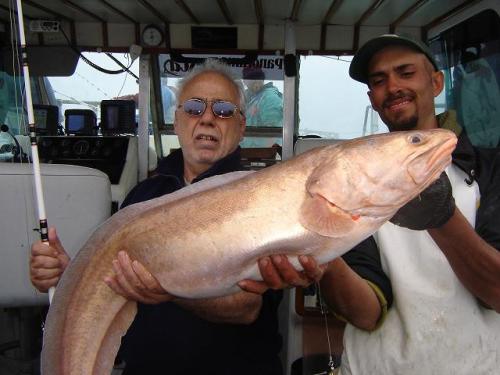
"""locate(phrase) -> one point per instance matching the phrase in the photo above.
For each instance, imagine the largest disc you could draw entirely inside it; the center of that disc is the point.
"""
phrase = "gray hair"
(216, 66)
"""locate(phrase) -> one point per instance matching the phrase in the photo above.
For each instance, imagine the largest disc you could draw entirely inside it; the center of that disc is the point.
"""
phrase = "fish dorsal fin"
(205, 184)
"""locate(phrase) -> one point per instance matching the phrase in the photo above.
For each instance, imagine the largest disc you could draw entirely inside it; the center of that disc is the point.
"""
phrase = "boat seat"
(77, 200)
(129, 174)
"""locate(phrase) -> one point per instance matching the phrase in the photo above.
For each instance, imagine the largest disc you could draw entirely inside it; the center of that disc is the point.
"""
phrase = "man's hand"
(133, 281)
(47, 262)
(431, 209)
(278, 273)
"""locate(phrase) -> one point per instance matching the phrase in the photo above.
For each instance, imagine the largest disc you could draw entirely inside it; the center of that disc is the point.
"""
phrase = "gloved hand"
(431, 209)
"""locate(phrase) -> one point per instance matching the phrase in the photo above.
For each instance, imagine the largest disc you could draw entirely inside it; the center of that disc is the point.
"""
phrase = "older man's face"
(206, 139)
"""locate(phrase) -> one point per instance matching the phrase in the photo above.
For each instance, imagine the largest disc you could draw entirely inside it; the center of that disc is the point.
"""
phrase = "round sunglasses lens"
(224, 109)
(194, 107)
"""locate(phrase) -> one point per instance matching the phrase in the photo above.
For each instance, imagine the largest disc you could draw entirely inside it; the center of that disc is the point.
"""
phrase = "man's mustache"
(394, 97)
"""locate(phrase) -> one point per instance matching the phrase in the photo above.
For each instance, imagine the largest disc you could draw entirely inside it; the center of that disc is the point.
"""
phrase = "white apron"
(435, 326)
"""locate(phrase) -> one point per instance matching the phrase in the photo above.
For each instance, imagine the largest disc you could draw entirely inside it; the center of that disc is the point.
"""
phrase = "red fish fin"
(320, 216)
(107, 352)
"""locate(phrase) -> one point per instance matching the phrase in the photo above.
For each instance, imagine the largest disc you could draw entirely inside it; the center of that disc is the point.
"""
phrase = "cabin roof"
(321, 25)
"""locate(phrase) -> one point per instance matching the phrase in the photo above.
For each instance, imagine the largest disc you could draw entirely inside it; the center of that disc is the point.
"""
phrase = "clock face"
(152, 36)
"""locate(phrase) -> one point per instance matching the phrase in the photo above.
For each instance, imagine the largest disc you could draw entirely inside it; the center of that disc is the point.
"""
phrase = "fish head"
(374, 176)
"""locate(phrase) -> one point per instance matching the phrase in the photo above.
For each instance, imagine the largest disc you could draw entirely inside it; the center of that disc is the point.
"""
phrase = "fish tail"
(83, 334)
(107, 352)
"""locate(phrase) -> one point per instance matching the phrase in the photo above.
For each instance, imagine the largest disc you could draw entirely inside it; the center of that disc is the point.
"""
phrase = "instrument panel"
(107, 154)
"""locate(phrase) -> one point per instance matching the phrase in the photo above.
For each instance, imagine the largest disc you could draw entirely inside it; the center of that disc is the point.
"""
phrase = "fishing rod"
(35, 160)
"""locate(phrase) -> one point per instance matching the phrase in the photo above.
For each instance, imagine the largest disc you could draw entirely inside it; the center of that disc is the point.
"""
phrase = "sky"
(329, 100)
(94, 85)
(331, 104)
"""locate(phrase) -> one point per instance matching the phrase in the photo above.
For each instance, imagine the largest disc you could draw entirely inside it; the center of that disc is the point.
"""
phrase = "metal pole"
(289, 95)
(34, 148)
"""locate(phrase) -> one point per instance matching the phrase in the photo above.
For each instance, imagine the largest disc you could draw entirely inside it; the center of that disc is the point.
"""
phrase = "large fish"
(202, 240)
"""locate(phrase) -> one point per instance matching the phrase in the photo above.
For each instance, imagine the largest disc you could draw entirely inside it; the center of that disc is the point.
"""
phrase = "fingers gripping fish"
(201, 241)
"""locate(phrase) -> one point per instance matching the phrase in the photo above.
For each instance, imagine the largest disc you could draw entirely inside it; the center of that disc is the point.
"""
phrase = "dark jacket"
(166, 339)
(483, 166)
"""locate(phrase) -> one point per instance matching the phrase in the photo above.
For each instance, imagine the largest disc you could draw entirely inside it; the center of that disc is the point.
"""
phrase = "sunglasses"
(220, 108)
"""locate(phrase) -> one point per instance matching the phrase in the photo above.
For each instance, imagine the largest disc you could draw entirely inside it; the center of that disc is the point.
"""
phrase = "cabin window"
(12, 105)
(332, 104)
(263, 84)
(469, 55)
(87, 87)
(12, 112)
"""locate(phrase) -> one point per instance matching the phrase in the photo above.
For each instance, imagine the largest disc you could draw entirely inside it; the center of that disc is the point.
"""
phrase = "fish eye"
(415, 139)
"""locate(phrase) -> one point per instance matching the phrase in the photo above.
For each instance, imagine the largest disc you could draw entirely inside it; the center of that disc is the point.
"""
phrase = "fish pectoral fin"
(322, 217)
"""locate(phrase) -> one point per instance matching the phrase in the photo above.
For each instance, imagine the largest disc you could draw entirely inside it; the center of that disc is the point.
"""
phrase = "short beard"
(409, 124)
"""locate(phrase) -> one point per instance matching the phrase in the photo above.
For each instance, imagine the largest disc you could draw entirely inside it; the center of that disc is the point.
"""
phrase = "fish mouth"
(443, 152)
(437, 162)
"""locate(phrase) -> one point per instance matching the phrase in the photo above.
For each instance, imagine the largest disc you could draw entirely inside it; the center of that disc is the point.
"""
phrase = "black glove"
(431, 209)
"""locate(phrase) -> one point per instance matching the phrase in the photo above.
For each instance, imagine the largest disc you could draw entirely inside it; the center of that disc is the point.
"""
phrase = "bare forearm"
(350, 296)
(239, 308)
(475, 262)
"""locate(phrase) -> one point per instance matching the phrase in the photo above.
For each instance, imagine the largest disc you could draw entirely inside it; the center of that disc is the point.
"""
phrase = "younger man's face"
(403, 85)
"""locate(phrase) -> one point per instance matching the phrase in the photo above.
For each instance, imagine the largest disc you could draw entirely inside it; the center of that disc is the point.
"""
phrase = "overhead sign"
(177, 66)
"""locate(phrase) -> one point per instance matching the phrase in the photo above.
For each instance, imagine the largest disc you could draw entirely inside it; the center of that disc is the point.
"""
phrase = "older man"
(230, 335)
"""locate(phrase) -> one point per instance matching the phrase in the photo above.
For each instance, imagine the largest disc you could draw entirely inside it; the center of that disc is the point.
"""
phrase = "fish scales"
(202, 240)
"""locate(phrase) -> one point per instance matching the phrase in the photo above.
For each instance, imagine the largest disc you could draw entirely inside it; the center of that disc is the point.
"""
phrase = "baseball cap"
(358, 69)
(253, 72)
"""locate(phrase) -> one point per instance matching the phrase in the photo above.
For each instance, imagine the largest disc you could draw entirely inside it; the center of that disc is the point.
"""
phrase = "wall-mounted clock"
(152, 36)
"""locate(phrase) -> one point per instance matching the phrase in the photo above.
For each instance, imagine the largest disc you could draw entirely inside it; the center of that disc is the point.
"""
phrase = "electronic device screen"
(40, 118)
(118, 117)
(46, 119)
(76, 123)
(80, 122)
(112, 117)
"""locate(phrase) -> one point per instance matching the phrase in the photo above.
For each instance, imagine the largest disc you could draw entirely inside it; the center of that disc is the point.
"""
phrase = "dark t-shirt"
(167, 339)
